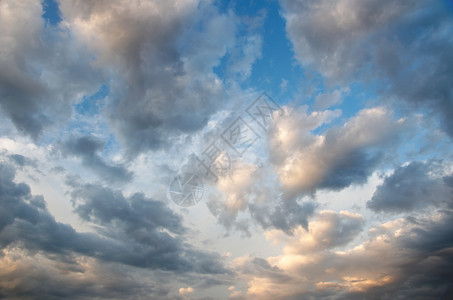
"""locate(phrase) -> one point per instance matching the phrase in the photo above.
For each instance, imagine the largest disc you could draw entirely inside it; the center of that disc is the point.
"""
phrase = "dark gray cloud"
(402, 46)
(286, 215)
(22, 161)
(165, 84)
(411, 187)
(28, 275)
(138, 232)
(256, 265)
(352, 168)
(42, 70)
(159, 69)
(107, 208)
(87, 148)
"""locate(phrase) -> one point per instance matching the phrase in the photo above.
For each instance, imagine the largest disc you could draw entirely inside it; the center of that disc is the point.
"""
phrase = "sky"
(208, 149)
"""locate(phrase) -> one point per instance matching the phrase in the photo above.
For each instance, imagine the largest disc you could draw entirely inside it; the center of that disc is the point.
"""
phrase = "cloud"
(138, 232)
(22, 161)
(42, 70)
(300, 162)
(252, 188)
(119, 91)
(162, 55)
(151, 228)
(326, 100)
(336, 159)
(87, 148)
(25, 275)
(243, 57)
(403, 48)
(133, 215)
(252, 191)
(329, 230)
(283, 214)
(186, 291)
(397, 255)
(411, 187)
(156, 59)
(234, 191)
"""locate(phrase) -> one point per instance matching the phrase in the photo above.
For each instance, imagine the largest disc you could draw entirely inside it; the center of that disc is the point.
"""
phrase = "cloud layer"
(135, 231)
(403, 48)
(345, 193)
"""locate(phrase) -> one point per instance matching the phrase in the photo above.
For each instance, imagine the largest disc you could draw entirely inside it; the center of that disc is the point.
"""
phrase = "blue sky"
(203, 149)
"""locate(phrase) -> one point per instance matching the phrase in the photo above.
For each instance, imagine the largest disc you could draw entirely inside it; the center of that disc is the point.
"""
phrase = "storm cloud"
(412, 187)
(87, 148)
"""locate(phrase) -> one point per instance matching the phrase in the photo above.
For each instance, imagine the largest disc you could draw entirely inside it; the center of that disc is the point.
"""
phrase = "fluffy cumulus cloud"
(336, 258)
(156, 57)
(163, 53)
(394, 261)
(42, 69)
(299, 162)
(86, 148)
(402, 47)
(334, 160)
(250, 196)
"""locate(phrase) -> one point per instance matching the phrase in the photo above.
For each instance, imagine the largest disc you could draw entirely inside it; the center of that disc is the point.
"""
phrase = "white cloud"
(394, 255)
(329, 230)
(339, 157)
